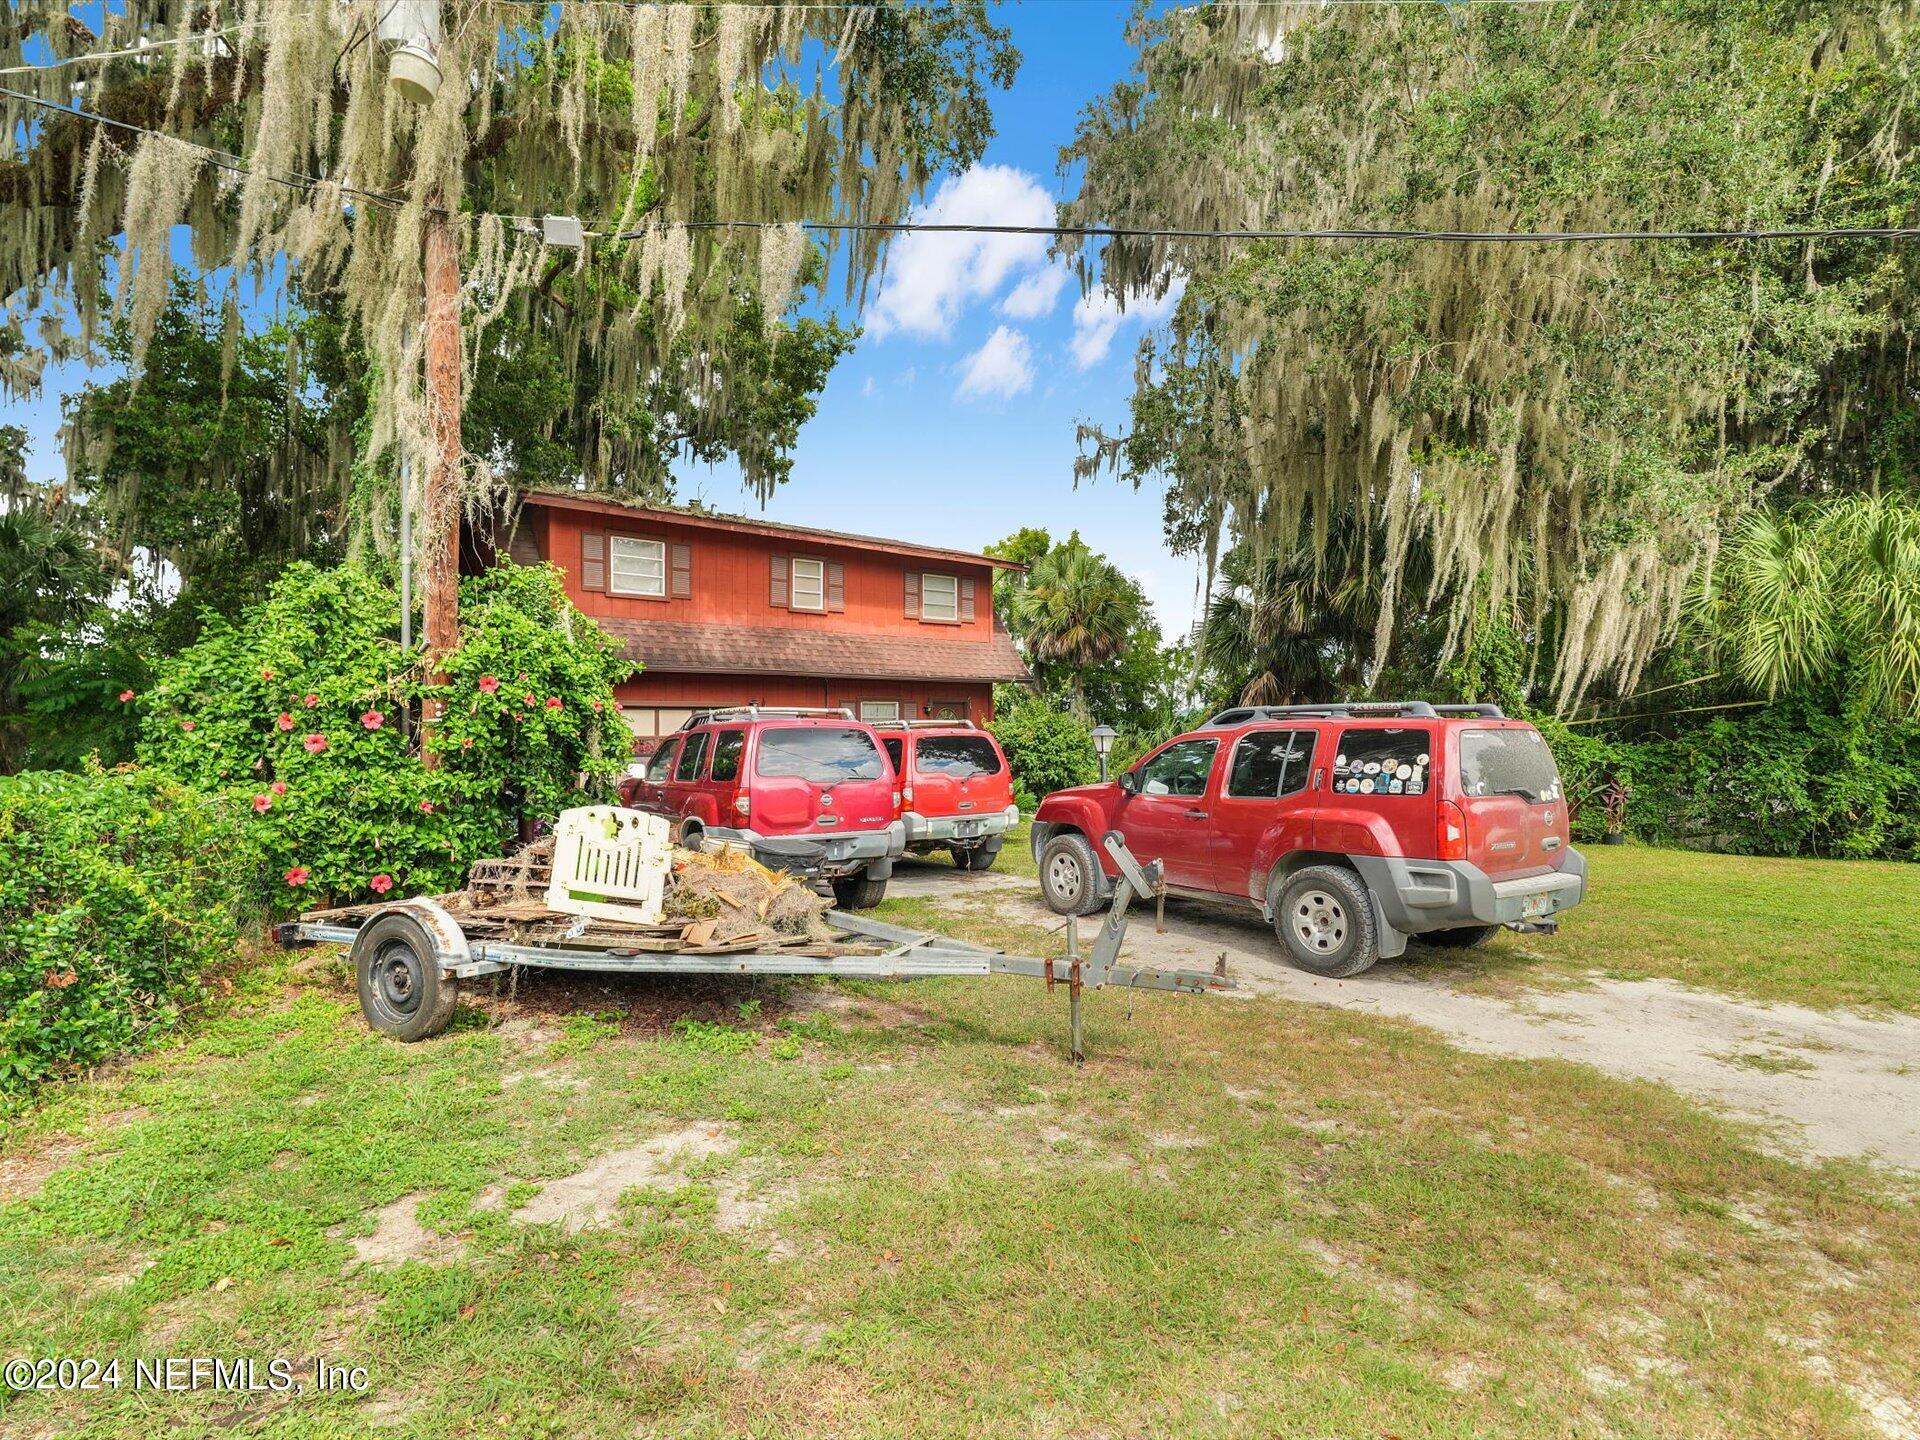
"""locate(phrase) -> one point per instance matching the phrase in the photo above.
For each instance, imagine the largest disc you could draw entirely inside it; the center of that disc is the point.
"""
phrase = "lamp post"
(1103, 738)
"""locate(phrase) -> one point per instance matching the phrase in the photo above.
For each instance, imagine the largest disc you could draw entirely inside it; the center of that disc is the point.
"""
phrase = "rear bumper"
(944, 829)
(1417, 896)
(830, 855)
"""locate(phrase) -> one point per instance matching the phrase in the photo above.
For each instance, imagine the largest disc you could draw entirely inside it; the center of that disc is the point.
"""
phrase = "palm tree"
(1799, 595)
(1077, 611)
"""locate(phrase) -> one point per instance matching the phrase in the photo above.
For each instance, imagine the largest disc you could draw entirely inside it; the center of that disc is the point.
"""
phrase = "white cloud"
(1097, 318)
(931, 277)
(1001, 368)
(1035, 295)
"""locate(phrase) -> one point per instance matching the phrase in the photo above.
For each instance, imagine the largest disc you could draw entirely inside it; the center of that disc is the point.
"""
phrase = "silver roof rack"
(767, 712)
(923, 725)
(1354, 710)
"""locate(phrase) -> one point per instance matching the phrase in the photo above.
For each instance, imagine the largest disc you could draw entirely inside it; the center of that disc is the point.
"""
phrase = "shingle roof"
(676, 647)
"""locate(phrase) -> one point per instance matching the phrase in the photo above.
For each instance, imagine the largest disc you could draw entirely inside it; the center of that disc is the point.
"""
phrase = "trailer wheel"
(402, 992)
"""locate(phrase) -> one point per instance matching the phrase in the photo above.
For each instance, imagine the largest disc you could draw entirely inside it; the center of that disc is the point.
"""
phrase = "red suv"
(956, 792)
(1350, 827)
(810, 791)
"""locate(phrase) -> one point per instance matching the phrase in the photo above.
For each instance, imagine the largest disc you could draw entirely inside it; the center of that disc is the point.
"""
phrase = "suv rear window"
(1383, 762)
(818, 754)
(1508, 762)
(961, 756)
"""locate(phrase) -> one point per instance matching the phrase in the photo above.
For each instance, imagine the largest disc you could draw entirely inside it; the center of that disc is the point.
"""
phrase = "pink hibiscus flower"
(285, 722)
(312, 700)
(266, 674)
(186, 724)
(554, 702)
(373, 719)
(598, 706)
(262, 804)
(125, 696)
(315, 744)
(467, 743)
(381, 884)
(426, 807)
(297, 875)
(279, 787)
(528, 697)
(488, 684)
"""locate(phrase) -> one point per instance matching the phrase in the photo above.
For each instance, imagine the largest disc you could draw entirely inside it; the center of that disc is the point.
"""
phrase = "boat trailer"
(410, 956)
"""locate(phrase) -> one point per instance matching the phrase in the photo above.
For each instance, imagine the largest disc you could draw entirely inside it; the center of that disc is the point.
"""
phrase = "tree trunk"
(440, 511)
(1080, 697)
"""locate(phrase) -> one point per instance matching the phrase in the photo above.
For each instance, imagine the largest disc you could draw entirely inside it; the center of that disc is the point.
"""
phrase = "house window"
(939, 597)
(639, 566)
(809, 585)
(871, 710)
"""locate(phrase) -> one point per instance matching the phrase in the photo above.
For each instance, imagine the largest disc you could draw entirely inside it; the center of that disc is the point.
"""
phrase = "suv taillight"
(905, 796)
(742, 803)
(1450, 834)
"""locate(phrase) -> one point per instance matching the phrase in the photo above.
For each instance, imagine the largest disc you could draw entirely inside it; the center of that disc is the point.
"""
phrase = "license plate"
(1535, 905)
(967, 829)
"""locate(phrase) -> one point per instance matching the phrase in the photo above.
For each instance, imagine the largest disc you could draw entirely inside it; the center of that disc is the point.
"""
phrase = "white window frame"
(816, 573)
(946, 611)
(875, 710)
(638, 553)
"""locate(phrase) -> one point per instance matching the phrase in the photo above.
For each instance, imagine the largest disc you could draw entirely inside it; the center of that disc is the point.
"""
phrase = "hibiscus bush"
(309, 710)
(117, 891)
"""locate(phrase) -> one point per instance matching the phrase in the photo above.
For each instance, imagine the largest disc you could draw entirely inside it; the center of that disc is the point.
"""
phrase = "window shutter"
(966, 601)
(836, 586)
(913, 594)
(777, 593)
(682, 572)
(593, 560)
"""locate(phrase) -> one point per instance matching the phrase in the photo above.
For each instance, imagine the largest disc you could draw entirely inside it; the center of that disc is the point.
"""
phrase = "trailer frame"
(432, 936)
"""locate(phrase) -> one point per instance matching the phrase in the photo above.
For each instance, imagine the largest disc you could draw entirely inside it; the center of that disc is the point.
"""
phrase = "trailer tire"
(1071, 881)
(1325, 922)
(402, 992)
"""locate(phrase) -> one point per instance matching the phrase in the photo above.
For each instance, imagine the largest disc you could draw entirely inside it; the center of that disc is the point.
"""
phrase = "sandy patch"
(1852, 1088)
(591, 1196)
(398, 1235)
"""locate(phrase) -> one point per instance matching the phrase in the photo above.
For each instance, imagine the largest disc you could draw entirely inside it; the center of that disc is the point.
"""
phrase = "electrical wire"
(145, 47)
(225, 160)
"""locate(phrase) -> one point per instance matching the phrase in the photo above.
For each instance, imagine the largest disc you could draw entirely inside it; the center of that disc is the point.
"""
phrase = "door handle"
(1196, 814)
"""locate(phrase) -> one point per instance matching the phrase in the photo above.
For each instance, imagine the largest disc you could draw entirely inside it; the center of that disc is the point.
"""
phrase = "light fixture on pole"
(1103, 738)
(413, 69)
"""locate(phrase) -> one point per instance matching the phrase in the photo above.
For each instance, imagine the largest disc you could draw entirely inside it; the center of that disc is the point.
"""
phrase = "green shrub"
(1047, 750)
(308, 708)
(117, 891)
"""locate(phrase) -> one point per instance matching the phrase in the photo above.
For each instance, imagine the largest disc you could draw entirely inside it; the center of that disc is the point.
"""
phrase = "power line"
(145, 47)
(225, 160)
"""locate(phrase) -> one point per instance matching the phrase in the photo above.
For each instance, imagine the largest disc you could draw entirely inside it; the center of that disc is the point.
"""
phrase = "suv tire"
(1070, 878)
(1463, 938)
(859, 891)
(1325, 922)
(402, 992)
(976, 857)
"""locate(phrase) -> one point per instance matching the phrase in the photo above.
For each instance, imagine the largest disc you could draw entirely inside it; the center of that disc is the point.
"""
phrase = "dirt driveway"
(1831, 1082)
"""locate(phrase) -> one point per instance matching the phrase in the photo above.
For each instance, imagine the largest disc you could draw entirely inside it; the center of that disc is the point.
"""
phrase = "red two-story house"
(720, 610)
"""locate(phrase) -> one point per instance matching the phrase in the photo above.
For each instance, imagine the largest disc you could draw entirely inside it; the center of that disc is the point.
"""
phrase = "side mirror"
(1129, 782)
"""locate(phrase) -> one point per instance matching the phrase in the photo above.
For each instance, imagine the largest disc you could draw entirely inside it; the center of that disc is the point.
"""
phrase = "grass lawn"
(911, 1217)
(1817, 932)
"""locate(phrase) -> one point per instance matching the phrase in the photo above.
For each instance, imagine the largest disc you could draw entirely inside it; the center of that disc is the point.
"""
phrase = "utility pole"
(440, 510)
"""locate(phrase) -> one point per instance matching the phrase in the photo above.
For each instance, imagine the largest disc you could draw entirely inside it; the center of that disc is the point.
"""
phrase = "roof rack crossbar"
(765, 712)
(923, 725)
(1348, 709)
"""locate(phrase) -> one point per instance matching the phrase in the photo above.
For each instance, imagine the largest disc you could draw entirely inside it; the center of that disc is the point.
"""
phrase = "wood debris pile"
(718, 901)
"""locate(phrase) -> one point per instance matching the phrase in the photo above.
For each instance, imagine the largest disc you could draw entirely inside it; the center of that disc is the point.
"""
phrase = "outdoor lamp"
(1103, 738)
(413, 70)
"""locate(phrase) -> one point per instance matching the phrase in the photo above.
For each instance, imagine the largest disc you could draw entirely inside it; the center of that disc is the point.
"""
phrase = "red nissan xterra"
(810, 791)
(1350, 827)
(956, 793)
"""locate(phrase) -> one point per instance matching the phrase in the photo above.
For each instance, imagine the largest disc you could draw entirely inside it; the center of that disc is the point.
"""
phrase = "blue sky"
(952, 421)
